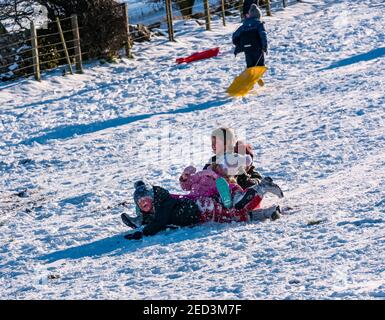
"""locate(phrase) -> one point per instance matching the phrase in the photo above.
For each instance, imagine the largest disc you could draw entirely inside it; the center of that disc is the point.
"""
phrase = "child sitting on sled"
(159, 210)
(222, 140)
(221, 175)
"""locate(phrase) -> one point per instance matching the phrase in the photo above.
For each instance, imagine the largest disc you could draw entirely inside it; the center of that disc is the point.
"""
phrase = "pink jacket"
(200, 183)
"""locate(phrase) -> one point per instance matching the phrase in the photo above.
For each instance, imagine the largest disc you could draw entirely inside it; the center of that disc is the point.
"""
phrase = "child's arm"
(185, 180)
(249, 162)
(219, 170)
(263, 35)
(159, 223)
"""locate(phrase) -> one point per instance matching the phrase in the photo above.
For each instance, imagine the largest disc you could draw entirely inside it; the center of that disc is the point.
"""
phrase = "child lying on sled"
(160, 210)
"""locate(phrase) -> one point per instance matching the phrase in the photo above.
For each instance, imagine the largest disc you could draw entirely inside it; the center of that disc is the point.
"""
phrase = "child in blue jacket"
(251, 38)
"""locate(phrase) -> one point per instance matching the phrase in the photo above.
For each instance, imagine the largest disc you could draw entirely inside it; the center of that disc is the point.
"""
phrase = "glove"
(134, 236)
(265, 51)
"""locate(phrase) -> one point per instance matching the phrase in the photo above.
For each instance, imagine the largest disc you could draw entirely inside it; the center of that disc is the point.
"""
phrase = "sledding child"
(251, 176)
(239, 187)
(251, 38)
(202, 183)
(160, 210)
(245, 179)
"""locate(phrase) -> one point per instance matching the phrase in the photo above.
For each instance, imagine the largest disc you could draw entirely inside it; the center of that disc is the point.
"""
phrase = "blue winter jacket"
(250, 37)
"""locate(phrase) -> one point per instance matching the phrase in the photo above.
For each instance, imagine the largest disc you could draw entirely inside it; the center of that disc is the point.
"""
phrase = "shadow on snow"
(117, 245)
(66, 132)
(371, 55)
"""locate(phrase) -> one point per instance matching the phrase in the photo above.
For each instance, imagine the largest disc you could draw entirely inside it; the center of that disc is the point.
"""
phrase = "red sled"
(199, 56)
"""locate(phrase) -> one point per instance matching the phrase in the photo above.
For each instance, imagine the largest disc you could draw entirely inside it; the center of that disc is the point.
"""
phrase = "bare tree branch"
(16, 12)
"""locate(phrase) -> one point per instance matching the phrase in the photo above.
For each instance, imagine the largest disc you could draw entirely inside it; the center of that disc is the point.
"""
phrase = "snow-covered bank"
(77, 143)
(149, 12)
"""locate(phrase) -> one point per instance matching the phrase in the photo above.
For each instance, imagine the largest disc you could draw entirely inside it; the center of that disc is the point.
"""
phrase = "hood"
(251, 24)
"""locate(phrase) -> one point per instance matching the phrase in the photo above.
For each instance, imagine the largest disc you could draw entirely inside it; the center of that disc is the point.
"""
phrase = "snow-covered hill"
(71, 147)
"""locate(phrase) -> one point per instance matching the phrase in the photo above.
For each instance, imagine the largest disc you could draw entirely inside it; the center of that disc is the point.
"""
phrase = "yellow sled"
(246, 81)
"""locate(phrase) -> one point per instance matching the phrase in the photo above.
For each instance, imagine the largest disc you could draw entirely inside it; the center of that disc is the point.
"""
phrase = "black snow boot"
(129, 221)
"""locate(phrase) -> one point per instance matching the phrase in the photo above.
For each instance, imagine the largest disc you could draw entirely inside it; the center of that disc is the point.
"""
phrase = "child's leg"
(213, 211)
(232, 214)
(224, 191)
(254, 203)
(255, 194)
(229, 192)
(209, 209)
(272, 213)
(247, 199)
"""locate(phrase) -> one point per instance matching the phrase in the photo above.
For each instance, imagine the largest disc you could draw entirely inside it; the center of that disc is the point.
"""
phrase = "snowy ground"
(77, 143)
(148, 12)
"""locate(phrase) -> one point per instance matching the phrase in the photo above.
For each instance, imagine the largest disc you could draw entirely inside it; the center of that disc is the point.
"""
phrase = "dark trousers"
(255, 59)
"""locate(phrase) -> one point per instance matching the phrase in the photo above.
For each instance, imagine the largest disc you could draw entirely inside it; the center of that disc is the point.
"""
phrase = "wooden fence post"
(63, 41)
(127, 31)
(207, 14)
(223, 13)
(78, 50)
(268, 8)
(35, 52)
(170, 20)
(284, 3)
(241, 9)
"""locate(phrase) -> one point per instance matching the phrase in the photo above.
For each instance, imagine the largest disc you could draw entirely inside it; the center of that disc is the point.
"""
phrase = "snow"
(13, 66)
(39, 16)
(71, 148)
(148, 12)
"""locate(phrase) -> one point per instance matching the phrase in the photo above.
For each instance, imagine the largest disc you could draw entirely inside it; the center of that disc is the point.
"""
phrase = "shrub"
(101, 24)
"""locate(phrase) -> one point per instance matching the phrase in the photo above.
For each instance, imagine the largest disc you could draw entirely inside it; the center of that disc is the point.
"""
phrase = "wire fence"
(52, 47)
(41, 50)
